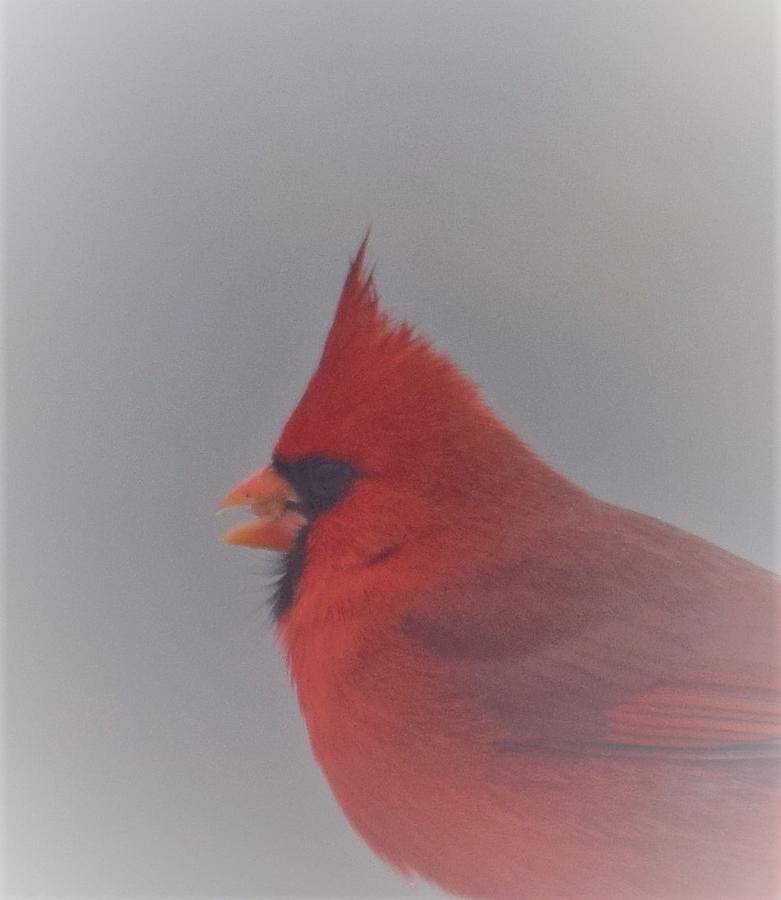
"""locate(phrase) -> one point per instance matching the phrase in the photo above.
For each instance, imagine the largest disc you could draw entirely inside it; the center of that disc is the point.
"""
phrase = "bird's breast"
(420, 777)
(419, 786)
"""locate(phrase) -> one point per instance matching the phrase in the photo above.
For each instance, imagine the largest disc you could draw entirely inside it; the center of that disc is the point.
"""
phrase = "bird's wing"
(629, 637)
(699, 715)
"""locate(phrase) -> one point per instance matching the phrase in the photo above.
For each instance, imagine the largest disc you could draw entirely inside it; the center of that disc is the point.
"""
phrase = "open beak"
(277, 511)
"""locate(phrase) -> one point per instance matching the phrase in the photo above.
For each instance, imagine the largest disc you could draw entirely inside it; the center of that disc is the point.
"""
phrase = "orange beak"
(274, 504)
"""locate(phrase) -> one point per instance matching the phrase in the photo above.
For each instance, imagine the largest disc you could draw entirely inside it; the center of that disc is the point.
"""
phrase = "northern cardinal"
(513, 688)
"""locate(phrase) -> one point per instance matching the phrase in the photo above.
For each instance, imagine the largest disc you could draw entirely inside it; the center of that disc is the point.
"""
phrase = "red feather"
(515, 689)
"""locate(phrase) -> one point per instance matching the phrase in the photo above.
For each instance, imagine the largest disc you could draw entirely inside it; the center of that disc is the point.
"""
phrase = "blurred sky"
(574, 199)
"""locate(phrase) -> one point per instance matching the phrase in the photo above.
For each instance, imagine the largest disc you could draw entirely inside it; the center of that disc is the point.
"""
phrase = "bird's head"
(390, 451)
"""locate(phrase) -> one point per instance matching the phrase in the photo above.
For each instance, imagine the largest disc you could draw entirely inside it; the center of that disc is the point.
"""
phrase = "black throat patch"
(320, 482)
(292, 566)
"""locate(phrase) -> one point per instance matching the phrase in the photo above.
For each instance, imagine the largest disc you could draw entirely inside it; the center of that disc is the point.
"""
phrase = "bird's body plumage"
(513, 688)
(549, 725)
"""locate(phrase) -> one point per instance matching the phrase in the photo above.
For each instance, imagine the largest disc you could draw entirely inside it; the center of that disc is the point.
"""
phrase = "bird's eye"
(319, 481)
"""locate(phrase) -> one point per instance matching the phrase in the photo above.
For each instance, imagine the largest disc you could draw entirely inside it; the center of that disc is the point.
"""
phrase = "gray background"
(573, 198)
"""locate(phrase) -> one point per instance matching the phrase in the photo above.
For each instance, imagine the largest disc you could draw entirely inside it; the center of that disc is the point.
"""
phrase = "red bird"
(513, 688)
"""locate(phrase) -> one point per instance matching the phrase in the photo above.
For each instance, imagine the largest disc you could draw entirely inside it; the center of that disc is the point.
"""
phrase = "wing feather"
(626, 636)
